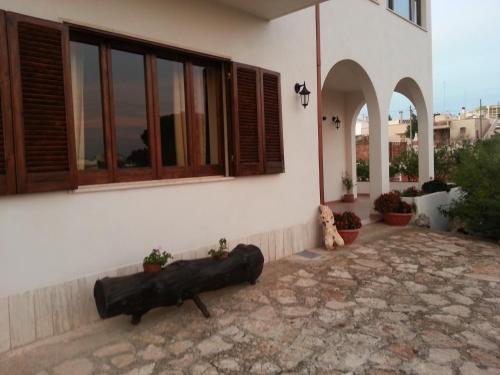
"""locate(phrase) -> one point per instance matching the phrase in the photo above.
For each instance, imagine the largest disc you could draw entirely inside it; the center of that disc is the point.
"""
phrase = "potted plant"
(394, 210)
(348, 184)
(155, 261)
(221, 252)
(348, 225)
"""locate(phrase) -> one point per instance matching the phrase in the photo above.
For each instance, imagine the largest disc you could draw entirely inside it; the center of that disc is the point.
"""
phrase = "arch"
(349, 76)
(345, 90)
(409, 87)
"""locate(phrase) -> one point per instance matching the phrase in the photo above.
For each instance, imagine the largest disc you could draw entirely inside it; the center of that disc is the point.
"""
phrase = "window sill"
(407, 20)
(148, 184)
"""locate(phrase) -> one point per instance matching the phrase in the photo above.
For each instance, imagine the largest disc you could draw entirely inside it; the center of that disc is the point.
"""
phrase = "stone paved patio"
(411, 302)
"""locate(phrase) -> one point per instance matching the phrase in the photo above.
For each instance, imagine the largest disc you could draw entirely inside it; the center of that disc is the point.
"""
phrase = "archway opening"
(402, 129)
(347, 92)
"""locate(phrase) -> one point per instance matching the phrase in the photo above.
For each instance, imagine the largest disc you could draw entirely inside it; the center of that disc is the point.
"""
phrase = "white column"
(425, 147)
(379, 151)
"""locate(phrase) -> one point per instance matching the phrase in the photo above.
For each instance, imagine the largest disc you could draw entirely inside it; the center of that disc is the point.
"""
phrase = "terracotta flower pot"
(348, 198)
(349, 235)
(151, 268)
(397, 220)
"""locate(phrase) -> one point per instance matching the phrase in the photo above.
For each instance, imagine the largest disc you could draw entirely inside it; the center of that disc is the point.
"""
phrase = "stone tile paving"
(414, 303)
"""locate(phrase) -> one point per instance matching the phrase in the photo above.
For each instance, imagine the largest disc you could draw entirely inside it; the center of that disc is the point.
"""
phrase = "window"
(409, 9)
(164, 111)
(82, 107)
(172, 113)
(129, 110)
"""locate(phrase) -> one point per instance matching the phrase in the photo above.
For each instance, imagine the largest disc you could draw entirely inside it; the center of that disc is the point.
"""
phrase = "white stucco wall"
(334, 145)
(390, 50)
(50, 238)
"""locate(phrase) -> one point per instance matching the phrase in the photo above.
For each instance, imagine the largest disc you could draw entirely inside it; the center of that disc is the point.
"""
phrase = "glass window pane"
(205, 86)
(87, 106)
(130, 112)
(402, 7)
(172, 113)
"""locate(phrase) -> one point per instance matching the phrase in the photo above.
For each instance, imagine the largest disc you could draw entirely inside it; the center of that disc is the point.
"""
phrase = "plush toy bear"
(330, 234)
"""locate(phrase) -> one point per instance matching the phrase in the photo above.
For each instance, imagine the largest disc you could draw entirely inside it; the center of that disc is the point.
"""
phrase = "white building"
(127, 125)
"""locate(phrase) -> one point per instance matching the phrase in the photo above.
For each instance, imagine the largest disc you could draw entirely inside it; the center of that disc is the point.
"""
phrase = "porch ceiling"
(269, 9)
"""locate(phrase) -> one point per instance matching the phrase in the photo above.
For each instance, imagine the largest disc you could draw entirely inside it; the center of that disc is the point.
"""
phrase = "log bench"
(136, 294)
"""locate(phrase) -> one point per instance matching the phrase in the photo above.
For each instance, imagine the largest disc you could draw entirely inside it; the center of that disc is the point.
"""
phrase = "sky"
(466, 53)
(466, 56)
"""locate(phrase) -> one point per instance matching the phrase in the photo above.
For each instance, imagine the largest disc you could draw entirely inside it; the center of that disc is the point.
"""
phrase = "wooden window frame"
(30, 182)
(151, 51)
(273, 167)
(263, 165)
(7, 180)
(240, 168)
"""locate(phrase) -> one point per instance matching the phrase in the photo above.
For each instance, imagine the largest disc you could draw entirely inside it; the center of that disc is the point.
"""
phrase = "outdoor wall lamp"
(336, 122)
(304, 93)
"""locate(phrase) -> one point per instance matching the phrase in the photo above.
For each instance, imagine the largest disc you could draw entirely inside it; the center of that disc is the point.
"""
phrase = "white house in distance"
(128, 125)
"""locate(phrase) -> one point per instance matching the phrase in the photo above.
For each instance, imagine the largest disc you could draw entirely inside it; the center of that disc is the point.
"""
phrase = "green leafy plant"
(477, 175)
(393, 170)
(435, 186)
(412, 192)
(363, 170)
(347, 182)
(407, 164)
(158, 257)
(221, 252)
(392, 203)
(347, 221)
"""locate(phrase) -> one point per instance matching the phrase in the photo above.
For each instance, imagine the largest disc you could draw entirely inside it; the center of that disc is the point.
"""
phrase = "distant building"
(450, 130)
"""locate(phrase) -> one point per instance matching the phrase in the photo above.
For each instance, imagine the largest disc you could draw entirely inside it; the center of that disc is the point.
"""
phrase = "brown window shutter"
(273, 132)
(7, 174)
(247, 121)
(42, 106)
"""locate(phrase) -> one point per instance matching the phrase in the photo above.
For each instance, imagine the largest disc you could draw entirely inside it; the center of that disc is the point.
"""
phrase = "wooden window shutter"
(7, 174)
(273, 132)
(247, 121)
(42, 105)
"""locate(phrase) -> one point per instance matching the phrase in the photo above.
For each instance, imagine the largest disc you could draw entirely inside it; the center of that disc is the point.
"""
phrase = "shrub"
(404, 208)
(347, 182)
(387, 202)
(347, 221)
(221, 252)
(435, 186)
(392, 203)
(478, 175)
(363, 170)
(412, 192)
(158, 257)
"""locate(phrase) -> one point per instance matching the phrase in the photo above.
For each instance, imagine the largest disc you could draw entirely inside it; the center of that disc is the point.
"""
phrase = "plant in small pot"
(155, 261)
(394, 210)
(348, 185)
(222, 252)
(348, 225)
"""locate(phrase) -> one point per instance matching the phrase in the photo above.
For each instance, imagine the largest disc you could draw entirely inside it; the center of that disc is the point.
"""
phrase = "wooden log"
(136, 294)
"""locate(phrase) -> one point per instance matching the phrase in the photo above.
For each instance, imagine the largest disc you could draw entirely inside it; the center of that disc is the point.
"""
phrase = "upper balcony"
(268, 9)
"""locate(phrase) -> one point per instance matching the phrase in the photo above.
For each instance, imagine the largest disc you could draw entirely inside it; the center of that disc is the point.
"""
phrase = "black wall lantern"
(304, 93)
(336, 122)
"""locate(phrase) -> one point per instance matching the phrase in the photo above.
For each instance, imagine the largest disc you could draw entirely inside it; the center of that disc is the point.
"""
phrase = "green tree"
(478, 175)
(412, 130)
